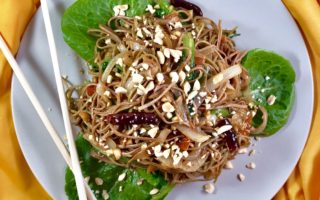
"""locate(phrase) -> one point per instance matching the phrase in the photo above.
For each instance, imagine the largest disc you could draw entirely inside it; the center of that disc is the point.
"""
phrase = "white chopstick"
(35, 102)
(63, 103)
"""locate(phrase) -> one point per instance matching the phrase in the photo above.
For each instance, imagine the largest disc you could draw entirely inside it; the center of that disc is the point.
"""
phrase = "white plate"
(262, 24)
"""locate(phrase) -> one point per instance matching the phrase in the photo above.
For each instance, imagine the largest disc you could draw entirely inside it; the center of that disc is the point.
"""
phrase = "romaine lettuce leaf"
(271, 74)
(109, 174)
(86, 14)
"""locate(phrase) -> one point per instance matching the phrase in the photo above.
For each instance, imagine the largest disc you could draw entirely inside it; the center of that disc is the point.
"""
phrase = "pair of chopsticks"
(72, 160)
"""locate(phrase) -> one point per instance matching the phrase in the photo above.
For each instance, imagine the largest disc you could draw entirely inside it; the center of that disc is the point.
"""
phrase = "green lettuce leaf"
(92, 168)
(86, 14)
(271, 74)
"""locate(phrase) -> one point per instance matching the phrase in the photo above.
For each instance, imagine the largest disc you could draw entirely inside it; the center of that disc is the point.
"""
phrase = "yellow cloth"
(16, 179)
(304, 182)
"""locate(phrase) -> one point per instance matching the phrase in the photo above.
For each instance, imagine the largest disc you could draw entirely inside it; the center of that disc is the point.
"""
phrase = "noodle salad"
(170, 93)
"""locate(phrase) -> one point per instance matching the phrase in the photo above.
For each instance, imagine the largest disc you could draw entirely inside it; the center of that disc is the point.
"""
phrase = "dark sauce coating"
(123, 119)
(187, 5)
(229, 136)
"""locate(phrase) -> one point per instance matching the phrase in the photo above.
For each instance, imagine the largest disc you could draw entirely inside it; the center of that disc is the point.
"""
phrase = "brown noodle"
(215, 52)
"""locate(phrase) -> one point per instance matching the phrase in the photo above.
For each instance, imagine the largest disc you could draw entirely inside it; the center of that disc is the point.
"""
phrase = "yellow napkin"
(305, 179)
(16, 179)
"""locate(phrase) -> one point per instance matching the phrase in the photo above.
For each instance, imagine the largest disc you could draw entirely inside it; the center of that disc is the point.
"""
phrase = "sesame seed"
(144, 146)
(176, 54)
(98, 181)
(137, 78)
(122, 177)
(208, 106)
(167, 107)
(107, 93)
(252, 152)
(186, 87)
(121, 90)
(177, 157)
(177, 33)
(160, 77)
(120, 10)
(154, 191)
(105, 195)
(251, 165)
(169, 115)
(242, 151)
(146, 31)
(271, 99)
(120, 188)
(142, 130)
(228, 165)
(157, 148)
(214, 99)
(185, 154)
(90, 137)
(119, 61)
(139, 33)
(139, 182)
(158, 40)
(117, 153)
(178, 25)
(241, 177)
(187, 68)
(166, 153)
(196, 85)
(150, 9)
(175, 147)
(203, 94)
(153, 132)
(161, 57)
(182, 76)
(135, 63)
(141, 90)
(209, 188)
(145, 66)
(107, 41)
(150, 86)
(192, 95)
(166, 52)
(109, 79)
(174, 77)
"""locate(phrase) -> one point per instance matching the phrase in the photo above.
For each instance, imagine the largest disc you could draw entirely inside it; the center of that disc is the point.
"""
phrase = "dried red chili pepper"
(229, 136)
(184, 143)
(187, 5)
(91, 89)
(132, 118)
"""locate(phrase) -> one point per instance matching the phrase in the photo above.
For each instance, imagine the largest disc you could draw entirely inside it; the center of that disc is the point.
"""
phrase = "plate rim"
(14, 81)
